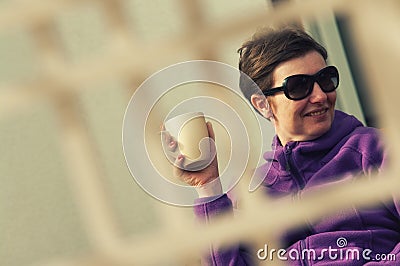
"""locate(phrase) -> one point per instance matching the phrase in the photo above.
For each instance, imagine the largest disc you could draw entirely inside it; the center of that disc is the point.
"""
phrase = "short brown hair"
(266, 50)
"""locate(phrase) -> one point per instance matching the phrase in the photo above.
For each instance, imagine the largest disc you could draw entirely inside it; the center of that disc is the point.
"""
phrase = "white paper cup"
(190, 130)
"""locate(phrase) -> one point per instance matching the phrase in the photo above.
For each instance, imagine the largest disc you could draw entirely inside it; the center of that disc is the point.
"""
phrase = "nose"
(317, 95)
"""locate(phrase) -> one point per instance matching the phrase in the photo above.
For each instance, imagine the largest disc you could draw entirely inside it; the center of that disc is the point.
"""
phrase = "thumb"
(210, 130)
(178, 166)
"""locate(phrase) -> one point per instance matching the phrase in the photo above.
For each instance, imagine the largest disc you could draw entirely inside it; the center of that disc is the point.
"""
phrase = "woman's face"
(308, 118)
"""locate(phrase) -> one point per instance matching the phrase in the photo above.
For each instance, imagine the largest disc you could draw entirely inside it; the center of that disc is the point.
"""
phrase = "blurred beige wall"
(39, 215)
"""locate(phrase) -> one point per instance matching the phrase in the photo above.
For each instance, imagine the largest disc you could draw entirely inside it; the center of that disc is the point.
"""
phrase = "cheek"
(287, 111)
(283, 110)
(332, 97)
(297, 107)
(292, 114)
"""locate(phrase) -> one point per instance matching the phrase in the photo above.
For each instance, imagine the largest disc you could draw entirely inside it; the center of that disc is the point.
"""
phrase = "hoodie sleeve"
(379, 160)
(389, 262)
(236, 254)
(395, 208)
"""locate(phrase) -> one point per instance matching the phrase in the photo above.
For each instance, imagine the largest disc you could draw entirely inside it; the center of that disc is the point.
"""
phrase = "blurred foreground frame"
(375, 28)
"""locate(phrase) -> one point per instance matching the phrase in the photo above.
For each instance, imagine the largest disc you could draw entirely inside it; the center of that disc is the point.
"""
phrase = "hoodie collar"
(343, 124)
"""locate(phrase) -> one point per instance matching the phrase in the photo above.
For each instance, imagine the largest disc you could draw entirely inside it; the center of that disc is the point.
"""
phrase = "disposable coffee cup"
(190, 131)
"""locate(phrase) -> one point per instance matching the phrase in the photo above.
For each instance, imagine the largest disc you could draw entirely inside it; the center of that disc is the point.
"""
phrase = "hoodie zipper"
(290, 167)
(300, 182)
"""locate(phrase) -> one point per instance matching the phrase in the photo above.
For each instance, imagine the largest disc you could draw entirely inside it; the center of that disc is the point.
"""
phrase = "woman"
(314, 145)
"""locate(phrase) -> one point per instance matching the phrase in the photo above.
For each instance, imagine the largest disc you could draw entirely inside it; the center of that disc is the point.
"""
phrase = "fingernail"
(172, 143)
(180, 157)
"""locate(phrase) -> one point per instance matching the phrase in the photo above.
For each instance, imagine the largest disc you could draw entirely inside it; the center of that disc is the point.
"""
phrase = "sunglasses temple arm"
(272, 91)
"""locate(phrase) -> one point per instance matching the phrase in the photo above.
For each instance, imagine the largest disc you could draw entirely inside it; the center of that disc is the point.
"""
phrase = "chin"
(318, 132)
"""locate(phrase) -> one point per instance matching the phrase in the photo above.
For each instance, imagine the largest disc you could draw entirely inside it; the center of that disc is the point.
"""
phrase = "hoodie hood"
(306, 156)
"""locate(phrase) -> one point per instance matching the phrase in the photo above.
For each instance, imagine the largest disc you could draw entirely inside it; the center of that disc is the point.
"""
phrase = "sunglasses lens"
(328, 79)
(298, 87)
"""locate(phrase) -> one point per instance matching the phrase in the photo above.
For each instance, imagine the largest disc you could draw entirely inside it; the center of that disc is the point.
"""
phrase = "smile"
(317, 112)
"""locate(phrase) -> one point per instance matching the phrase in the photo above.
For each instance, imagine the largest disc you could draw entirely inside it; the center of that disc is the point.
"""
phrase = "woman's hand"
(192, 178)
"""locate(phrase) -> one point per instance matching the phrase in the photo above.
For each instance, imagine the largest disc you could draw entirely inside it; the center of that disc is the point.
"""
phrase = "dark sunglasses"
(298, 87)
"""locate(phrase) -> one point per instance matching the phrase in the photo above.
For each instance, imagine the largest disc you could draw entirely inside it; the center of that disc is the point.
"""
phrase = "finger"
(164, 133)
(210, 130)
(178, 166)
(172, 144)
(165, 136)
(169, 141)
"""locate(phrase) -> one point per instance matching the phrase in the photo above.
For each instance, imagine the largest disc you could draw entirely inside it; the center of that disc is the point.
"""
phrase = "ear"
(262, 106)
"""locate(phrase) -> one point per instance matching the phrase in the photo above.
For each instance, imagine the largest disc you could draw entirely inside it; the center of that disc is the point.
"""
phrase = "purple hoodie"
(346, 149)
